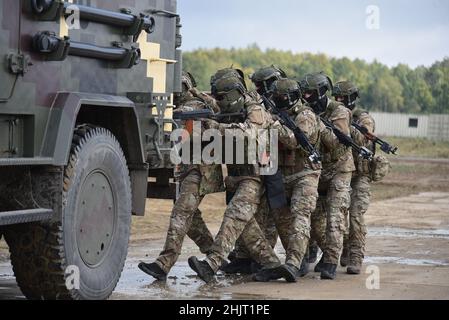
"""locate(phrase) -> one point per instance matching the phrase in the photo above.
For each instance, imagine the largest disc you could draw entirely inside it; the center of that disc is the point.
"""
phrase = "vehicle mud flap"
(275, 191)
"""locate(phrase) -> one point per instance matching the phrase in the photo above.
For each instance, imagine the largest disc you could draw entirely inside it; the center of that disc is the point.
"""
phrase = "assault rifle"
(347, 141)
(205, 114)
(384, 146)
(301, 138)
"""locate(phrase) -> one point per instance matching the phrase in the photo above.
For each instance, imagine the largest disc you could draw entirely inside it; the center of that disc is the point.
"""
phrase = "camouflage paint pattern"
(30, 96)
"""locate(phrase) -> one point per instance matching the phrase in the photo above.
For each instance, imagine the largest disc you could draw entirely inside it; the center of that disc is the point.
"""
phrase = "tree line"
(398, 89)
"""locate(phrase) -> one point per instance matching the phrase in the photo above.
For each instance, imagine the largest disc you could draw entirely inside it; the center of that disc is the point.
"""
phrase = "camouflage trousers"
(328, 220)
(239, 220)
(265, 220)
(354, 240)
(293, 223)
(185, 219)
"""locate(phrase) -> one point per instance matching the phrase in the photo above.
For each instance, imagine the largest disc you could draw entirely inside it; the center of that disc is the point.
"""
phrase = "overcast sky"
(415, 32)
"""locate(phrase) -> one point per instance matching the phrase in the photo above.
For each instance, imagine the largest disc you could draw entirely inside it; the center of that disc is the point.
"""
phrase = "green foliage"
(420, 147)
(398, 89)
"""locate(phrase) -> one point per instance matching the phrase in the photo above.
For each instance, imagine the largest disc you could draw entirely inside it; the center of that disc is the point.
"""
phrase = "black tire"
(94, 239)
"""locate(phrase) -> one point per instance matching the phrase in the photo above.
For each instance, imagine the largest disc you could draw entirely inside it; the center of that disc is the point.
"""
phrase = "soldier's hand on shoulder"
(195, 92)
(210, 124)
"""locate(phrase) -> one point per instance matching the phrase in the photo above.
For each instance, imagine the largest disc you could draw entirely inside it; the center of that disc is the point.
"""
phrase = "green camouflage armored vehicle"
(86, 101)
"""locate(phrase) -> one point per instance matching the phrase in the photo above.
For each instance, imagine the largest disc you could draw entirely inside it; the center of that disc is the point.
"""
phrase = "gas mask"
(230, 102)
(316, 102)
(282, 102)
(349, 101)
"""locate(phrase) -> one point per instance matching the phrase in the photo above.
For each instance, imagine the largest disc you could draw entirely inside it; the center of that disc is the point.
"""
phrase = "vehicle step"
(24, 216)
(25, 161)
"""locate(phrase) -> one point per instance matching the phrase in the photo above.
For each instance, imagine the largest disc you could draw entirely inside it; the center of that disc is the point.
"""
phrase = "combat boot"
(288, 272)
(232, 256)
(344, 259)
(266, 275)
(354, 268)
(153, 270)
(202, 268)
(304, 269)
(329, 271)
(319, 266)
(313, 253)
(255, 267)
(237, 265)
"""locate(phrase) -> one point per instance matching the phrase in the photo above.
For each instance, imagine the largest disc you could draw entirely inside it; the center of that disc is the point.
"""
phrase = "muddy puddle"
(406, 261)
(391, 246)
(182, 283)
(407, 233)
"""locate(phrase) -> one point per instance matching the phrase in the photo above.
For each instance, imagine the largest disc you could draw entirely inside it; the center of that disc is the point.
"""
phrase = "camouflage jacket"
(206, 98)
(364, 119)
(292, 157)
(211, 175)
(336, 157)
(256, 118)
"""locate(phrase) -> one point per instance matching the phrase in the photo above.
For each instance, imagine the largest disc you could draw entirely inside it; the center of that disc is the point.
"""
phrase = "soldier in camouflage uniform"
(195, 182)
(245, 179)
(265, 77)
(354, 240)
(301, 177)
(335, 182)
(241, 261)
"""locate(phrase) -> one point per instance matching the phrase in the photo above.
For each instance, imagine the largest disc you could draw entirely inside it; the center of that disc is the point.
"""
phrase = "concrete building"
(434, 127)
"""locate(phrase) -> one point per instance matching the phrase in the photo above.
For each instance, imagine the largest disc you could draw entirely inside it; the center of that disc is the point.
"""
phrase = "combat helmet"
(264, 78)
(314, 87)
(228, 72)
(285, 93)
(229, 92)
(346, 92)
(188, 83)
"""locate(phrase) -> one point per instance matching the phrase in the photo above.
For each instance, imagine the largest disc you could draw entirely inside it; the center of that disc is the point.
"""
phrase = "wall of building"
(401, 125)
(435, 127)
(438, 127)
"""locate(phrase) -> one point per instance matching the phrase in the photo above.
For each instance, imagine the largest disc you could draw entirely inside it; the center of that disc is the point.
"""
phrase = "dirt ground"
(407, 244)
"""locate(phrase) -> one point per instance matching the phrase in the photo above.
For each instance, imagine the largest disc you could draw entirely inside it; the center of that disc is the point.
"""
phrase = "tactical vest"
(357, 115)
(295, 161)
(363, 166)
(244, 170)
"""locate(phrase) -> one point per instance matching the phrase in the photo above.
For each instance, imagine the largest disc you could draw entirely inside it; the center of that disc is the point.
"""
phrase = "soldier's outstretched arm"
(209, 100)
(366, 121)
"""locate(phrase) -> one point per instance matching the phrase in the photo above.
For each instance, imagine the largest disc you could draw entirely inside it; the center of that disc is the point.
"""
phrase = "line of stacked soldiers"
(325, 201)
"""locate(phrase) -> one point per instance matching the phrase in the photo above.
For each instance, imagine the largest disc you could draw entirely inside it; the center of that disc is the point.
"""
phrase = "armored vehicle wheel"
(93, 234)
